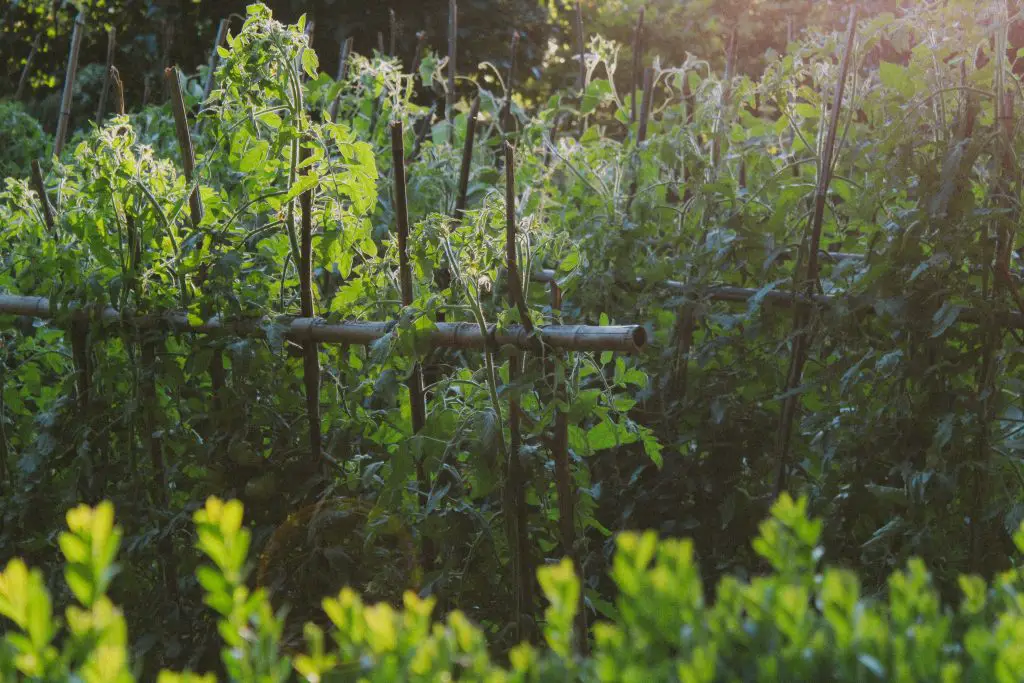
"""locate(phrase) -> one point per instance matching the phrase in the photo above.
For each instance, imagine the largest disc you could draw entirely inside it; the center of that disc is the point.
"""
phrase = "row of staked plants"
(906, 438)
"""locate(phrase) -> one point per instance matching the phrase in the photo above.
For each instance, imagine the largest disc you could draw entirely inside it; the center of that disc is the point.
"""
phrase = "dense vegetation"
(827, 277)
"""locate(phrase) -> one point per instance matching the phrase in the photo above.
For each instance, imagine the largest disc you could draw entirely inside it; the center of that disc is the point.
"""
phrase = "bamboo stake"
(506, 110)
(150, 415)
(730, 67)
(581, 47)
(801, 315)
(641, 135)
(393, 29)
(69, 84)
(44, 201)
(564, 487)
(101, 108)
(453, 38)
(417, 399)
(211, 68)
(417, 57)
(467, 161)
(638, 60)
(218, 379)
(424, 130)
(188, 159)
(118, 91)
(346, 50)
(516, 477)
(310, 349)
(23, 80)
(515, 283)
(789, 41)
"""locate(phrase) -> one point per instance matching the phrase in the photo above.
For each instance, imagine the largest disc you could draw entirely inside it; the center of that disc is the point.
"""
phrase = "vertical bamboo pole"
(564, 486)
(645, 104)
(44, 201)
(188, 159)
(218, 380)
(417, 401)
(115, 78)
(801, 314)
(789, 41)
(467, 161)
(101, 108)
(25, 72)
(638, 61)
(310, 349)
(516, 476)
(716, 140)
(641, 133)
(453, 41)
(69, 84)
(393, 30)
(506, 110)
(346, 50)
(581, 47)
(417, 57)
(148, 341)
(211, 68)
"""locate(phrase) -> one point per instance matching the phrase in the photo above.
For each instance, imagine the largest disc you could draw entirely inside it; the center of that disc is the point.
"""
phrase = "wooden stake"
(101, 108)
(638, 61)
(417, 400)
(44, 202)
(188, 159)
(515, 474)
(393, 29)
(310, 349)
(581, 47)
(506, 111)
(467, 161)
(511, 259)
(801, 314)
(453, 38)
(346, 50)
(211, 67)
(115, 78)
(69, 84)
(641, 133)
(417, 58)
(23, 81)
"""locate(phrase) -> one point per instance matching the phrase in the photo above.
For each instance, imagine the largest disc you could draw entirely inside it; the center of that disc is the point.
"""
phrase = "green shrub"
(21, 140)
(794, 624)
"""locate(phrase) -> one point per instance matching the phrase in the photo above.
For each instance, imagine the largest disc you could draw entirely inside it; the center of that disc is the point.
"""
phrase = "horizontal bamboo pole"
(1007, 319)
(621, 338)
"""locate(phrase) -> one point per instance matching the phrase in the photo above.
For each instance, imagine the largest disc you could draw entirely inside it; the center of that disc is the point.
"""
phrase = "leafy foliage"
(796, 623)
(22, 140)
(907, 438)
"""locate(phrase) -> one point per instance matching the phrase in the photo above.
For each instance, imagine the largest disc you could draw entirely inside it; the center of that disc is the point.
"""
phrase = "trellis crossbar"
(620, 338)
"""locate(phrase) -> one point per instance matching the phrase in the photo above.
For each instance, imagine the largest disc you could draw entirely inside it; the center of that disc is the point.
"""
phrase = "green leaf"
(303, 183)
(254, 157)
(598, 91)
(944, 317)
(310, 63)
(603, 435)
